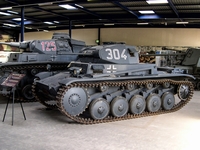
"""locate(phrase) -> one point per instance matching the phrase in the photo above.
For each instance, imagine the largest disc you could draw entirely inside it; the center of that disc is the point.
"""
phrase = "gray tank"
(188, 62)
(108, 83)
(37, 56)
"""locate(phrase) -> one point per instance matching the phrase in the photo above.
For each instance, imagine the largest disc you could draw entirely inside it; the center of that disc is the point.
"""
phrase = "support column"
(70, 28)
(22, 24)
(99, 35)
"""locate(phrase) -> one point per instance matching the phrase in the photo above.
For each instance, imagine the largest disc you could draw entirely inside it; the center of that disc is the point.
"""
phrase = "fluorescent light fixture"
(79, 6)
(12, 12)
(10, 25)
(142, 23)
(153, 16)
(109, 24)
(43, 4)
(51, 26)
(66, 6)
(6, 8)
(45, 30)
(17, 19)
(27, 22)
(182, 22)
(157, 1)
(3, 13)
(79, 25)
(56, 22)
(146, 12)
(6, 26)
(48, 22)
(28, 27)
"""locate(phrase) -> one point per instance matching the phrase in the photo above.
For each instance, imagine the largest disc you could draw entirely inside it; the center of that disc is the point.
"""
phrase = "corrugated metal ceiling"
(94, 14)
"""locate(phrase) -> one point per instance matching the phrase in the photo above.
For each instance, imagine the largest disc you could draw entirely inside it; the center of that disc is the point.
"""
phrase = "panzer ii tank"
(37, 56)
(108, 84)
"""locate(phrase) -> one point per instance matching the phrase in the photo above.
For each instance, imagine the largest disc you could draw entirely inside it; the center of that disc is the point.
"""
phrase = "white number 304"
(116, 54)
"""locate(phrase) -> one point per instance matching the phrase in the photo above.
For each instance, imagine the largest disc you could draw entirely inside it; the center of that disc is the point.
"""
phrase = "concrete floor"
(50, 130)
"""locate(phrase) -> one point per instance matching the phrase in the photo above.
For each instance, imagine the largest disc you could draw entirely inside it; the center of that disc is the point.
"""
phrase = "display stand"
(12, 81)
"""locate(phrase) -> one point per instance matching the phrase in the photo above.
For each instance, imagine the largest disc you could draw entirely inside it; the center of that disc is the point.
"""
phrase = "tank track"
(42, 100)
(20, 68)
(87, 120)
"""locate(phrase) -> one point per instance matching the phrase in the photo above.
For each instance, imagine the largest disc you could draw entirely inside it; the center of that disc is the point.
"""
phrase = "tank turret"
(107, 83)
(115, 53)
(38, 55)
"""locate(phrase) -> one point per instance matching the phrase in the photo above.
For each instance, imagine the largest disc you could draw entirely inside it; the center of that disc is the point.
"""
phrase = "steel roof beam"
(174, 9)
(52, 12)
(125, 8)
(86, 10)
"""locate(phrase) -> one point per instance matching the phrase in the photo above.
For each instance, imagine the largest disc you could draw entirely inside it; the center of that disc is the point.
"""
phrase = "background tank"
(37, 56)
(108, 84)
(188, 62)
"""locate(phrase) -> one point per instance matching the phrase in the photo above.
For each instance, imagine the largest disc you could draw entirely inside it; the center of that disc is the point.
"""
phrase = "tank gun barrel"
(22, 45)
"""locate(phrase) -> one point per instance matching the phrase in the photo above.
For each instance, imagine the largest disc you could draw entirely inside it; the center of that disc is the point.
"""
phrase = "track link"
(83, 120)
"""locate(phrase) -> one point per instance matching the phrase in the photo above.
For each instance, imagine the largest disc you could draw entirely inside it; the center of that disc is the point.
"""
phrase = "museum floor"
(50, 130)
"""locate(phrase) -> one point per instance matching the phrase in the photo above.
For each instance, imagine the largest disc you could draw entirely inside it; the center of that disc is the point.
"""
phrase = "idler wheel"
(153, 103)
(183, 91)
(99, 109)
(137, 104)
(75, 101)
(27, 92)
(119, 106)
(168, 100)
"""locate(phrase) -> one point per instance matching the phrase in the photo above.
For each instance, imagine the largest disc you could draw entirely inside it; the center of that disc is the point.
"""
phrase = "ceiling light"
(157, 1)
(149, 16)
(56, 22)
(6, 26)
(48, 22)
(66, 6)
(13, 12)
(28, 27)
(109, 24)
(182, 22)
(79, 25)
(6, 8)
(142, 23)
(43, 4)
(51, 26)
(45, 30)
(10, 25)
(146, 12)
(79, 6)
(17, 19)
(3, 13)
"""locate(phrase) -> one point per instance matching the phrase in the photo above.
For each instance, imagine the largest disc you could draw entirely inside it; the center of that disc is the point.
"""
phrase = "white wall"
(131, 36)
(87, 35)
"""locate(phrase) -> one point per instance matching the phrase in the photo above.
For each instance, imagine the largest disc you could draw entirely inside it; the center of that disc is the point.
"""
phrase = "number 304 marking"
(116, 54)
